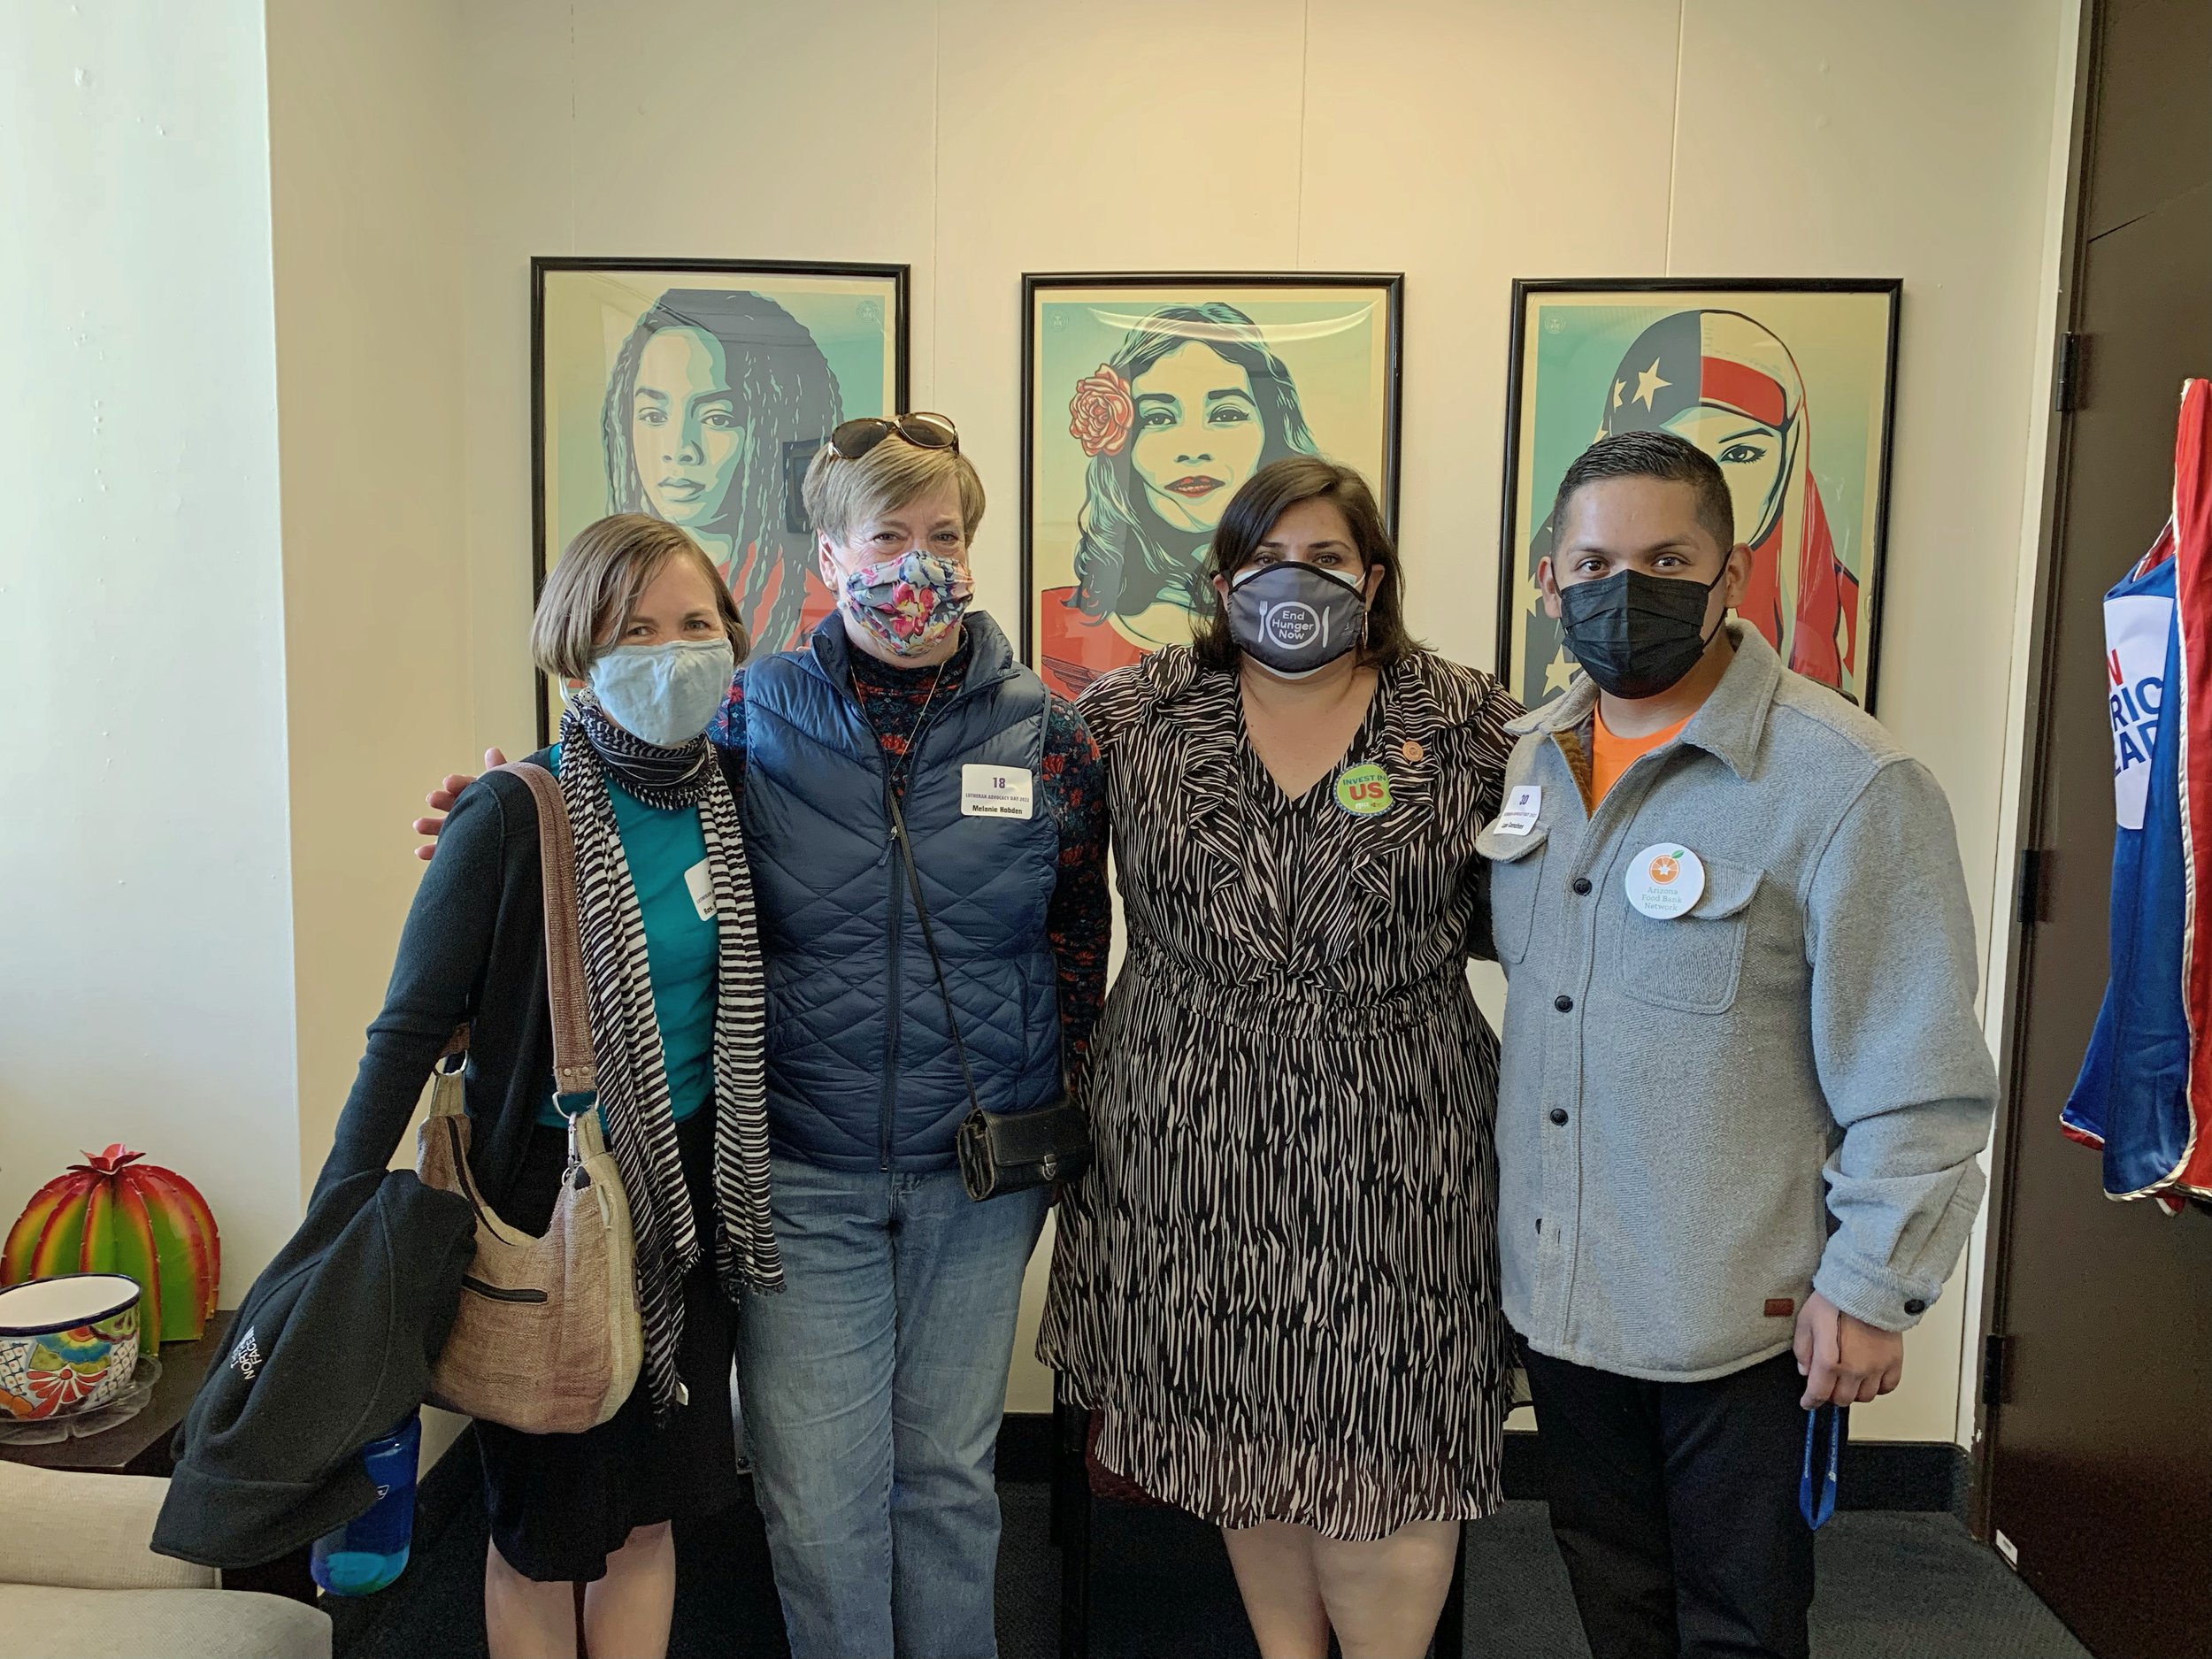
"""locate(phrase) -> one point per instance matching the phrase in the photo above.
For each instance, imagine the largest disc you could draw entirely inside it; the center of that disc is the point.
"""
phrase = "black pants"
(1675, 1505)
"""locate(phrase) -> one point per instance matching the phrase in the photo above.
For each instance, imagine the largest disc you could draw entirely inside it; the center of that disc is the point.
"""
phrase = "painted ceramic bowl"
(67, 1344)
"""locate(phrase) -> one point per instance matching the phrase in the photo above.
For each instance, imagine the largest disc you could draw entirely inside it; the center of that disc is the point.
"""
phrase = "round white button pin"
(1664, 881)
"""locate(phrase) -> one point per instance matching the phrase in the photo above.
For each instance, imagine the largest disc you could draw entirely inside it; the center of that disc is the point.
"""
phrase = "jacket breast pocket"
(1517, 863)
(1694, 961)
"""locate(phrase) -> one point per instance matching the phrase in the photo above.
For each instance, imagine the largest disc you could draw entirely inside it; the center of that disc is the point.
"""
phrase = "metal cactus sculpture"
(113, 1214)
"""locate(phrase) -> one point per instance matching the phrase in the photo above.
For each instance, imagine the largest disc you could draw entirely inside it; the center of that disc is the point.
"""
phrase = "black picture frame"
(1389, 285)
(1890, 291)
(899, 277)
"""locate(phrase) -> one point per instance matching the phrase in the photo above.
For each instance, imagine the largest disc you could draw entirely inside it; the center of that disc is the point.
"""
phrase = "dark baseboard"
(1025, 1446)
(1922, 1475)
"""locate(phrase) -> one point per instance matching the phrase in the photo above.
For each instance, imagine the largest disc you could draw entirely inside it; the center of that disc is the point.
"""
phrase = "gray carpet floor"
(1891, 1587)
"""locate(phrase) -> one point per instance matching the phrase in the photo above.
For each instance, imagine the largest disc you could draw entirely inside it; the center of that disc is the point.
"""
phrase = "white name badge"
(995, 792)
(1664, 881)
(1521, 810)
(700, 880)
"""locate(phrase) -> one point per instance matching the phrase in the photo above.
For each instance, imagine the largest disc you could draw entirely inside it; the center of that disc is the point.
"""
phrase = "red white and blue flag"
(2144, 1093)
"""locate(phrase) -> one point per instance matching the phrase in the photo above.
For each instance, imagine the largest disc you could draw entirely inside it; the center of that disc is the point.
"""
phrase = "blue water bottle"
(367, 1553)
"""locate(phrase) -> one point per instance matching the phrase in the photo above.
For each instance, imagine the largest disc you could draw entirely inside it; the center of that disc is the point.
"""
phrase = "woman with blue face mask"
(1278, 1286)
(635, 611)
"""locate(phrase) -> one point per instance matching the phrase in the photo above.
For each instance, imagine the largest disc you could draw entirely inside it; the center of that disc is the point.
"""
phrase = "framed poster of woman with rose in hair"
(1147, 400)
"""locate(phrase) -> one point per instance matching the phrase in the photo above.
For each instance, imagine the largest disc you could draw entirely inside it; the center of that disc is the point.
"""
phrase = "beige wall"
(415, 155)
(1464, 143)
(145, 911)
(366, 187)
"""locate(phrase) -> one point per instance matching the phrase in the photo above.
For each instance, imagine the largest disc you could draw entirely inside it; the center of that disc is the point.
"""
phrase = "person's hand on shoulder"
(441, 800)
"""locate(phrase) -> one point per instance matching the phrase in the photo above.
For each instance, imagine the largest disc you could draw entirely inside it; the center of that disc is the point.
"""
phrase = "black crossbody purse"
(1000, 1152)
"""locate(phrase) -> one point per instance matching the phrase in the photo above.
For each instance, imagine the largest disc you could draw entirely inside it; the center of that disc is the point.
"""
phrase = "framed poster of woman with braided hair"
(1787, 384)
(1147, 400)
(697, 391)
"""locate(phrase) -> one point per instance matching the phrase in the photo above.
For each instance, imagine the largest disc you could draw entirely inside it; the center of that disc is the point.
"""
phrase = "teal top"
(667, 852)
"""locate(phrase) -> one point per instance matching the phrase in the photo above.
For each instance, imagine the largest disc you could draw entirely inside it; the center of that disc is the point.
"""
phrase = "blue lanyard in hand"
(1815, 1513)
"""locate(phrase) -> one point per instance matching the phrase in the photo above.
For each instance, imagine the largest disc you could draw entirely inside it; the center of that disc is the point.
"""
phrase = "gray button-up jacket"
(1701, 1119)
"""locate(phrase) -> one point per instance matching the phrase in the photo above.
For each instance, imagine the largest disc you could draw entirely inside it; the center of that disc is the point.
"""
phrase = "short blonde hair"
(841, 495)
(602, 572)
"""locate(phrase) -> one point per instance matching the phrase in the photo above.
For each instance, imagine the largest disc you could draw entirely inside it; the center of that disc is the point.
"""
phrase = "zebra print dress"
(1279, 1284)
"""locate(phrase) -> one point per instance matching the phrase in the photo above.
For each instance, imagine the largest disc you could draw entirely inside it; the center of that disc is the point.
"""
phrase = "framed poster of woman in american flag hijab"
(1788, 385)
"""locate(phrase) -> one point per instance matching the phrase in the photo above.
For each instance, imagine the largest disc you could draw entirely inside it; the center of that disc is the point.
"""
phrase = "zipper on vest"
(892, 1016)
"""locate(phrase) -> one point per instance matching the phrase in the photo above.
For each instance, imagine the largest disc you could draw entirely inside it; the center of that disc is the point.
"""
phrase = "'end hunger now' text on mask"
(1634, 634)
(664, 694)
(909, 603)
(1295, 619)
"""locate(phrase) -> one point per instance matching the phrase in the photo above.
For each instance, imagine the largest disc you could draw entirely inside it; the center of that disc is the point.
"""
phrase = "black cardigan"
(473, 953)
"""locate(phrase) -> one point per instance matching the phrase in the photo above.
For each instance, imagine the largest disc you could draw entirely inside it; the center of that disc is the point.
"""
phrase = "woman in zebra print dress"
(1279, 1284)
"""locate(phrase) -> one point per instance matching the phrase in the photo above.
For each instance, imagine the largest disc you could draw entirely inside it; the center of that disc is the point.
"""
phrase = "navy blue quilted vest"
(862, 1072)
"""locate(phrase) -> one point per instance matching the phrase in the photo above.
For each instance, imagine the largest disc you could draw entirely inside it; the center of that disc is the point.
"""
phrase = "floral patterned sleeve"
(727, 731)
(1079, 919)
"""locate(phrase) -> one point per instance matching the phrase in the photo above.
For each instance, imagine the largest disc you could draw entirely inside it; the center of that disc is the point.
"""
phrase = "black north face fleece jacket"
(332, 1348)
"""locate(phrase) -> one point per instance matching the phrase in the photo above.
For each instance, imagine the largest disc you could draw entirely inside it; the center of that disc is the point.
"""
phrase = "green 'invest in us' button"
(1364, 791)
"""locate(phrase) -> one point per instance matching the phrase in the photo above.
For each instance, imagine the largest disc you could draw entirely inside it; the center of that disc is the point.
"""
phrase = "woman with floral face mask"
(906, 712)
(665, 901)
(1277, 1286)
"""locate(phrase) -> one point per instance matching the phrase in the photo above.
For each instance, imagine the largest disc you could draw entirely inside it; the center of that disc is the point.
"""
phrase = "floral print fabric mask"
(909, 603)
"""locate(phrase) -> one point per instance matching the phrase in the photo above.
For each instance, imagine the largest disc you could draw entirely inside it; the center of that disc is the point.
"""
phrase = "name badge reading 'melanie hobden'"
(996, 792)
(1521, 808)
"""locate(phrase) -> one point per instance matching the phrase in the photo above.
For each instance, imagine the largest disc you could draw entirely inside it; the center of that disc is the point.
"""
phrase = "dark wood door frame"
(2094, 1467)
(2018, 895)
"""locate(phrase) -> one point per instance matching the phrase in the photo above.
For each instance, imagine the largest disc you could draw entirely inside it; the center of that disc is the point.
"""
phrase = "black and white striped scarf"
(626, 1037)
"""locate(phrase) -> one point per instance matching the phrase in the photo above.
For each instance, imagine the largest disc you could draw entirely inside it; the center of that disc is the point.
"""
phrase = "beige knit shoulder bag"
(547, 1339)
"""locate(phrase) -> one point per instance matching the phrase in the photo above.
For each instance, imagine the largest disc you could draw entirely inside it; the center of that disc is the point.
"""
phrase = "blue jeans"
(873, 1388)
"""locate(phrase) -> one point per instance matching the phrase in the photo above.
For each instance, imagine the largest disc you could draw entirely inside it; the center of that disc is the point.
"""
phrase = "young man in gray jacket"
(1744, 1085)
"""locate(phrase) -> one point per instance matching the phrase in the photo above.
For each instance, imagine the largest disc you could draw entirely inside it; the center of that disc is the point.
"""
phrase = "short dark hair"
(1659, 454)
(1251, 513)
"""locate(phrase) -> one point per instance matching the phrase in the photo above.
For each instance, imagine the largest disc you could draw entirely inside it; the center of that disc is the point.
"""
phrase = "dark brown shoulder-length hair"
(1251, 513)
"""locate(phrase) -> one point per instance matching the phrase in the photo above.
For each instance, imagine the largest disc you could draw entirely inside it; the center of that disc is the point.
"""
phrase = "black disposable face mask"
(1636, 636)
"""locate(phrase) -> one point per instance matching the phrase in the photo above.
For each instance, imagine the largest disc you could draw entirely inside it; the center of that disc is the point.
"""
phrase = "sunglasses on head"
(853, 439)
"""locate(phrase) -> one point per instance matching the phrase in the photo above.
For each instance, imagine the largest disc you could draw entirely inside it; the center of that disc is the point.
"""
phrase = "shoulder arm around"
(1486, 743)
(1079, 919)
(726, 730)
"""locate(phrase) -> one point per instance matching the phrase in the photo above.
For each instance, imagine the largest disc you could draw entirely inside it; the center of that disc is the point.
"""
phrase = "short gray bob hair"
(841, 495)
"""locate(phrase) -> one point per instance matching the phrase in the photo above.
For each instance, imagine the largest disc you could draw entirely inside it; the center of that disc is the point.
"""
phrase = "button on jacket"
(1783, 1089)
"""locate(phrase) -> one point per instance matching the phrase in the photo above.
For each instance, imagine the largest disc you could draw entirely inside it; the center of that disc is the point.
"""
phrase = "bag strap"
(929, 938)
(575, 1069)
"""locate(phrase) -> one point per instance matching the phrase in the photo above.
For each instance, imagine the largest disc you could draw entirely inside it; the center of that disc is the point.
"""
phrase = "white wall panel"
(145, 918)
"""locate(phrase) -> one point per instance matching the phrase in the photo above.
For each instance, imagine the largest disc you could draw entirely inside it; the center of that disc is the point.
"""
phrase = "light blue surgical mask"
(664, 694)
